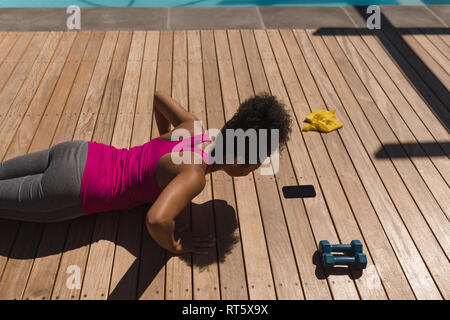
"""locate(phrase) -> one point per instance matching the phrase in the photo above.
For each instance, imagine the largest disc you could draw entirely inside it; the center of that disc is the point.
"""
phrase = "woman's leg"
(51, 196)
(27, 164)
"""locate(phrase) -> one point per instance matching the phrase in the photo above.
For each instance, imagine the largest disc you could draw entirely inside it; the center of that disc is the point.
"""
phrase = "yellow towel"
(322, 121)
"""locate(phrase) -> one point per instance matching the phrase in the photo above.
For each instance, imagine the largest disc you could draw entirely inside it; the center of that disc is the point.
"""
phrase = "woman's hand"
(188, 242)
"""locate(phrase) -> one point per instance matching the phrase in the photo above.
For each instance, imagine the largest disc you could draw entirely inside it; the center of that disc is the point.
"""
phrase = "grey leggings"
(44, 186)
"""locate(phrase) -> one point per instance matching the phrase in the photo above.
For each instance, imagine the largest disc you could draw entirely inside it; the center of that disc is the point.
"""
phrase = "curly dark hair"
(262, 111)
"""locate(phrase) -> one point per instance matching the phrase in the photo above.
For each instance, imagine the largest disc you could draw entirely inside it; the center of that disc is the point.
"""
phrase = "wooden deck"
(389, 88)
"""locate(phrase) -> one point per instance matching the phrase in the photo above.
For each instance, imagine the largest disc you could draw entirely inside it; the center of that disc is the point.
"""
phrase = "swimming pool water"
(207, 3)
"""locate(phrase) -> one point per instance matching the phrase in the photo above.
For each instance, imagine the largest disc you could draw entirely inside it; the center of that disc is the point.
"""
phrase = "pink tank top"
(117, 179)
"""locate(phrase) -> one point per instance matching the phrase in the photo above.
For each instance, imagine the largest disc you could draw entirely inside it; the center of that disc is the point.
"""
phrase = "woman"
(76, 178)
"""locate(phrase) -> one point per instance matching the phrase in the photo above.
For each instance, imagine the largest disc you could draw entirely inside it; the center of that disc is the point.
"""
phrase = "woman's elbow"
(154, 226)
(153, 221)
(156, 221)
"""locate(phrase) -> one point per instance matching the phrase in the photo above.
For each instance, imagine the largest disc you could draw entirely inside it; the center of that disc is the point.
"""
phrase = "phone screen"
(306, 191)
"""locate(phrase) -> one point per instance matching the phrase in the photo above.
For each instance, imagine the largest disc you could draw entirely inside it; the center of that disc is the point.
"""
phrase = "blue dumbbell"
(355, 248)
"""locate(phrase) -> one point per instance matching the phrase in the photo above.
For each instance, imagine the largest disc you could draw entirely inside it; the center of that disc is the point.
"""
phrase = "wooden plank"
(233, 282)
(152, 257)
(94, 95)
(20, 144)
(409, 258)
(45, 267)
(229, 252)
(124, 276)
(14, 47)
(284, 269)
(431, 210)
(152, 283)
(224, 73)
(27, 91)
(112, 94)
(287, 72)
(434, 66)
(16, 66)
(429, 78)
(97, 277)
(164, 83)
(433, 36)
(178, 268)
(256, 258)
(43, 137)
(7, 96)
(17, 269)
(231, 287)
(432, 50)
(8, 228)
(8, 41)
(16, 272)
(8, 232)
(409, 128)
(48, 124)
(405, 202)
(436, 105)
(321, 222)
(205, 269)
(69, 117)
(144, 104)
(91, 81)
(38, 108)
(369, 284)
(2, 36)
(313, 280)
(417, 103)
(378, 245)
(443, 34)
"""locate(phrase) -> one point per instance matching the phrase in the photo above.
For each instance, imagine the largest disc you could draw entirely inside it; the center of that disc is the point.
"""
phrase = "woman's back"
(117, 179)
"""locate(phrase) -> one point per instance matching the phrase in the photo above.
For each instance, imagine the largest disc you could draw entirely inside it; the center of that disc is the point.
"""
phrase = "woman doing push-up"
(76, 178)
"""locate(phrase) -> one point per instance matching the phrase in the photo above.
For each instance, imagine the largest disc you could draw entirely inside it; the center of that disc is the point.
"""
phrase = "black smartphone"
(306, 191)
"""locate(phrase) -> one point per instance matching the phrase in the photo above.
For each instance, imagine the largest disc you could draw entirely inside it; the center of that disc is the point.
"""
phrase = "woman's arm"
(160, 217)
(169, 111)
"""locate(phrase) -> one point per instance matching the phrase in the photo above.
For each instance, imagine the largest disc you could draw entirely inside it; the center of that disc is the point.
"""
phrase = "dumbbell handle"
(359, 260)
(331, 260)
(344, 260)
(341, 247)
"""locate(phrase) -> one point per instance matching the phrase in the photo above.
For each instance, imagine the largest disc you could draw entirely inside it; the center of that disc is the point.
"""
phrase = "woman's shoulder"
(167, 171)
